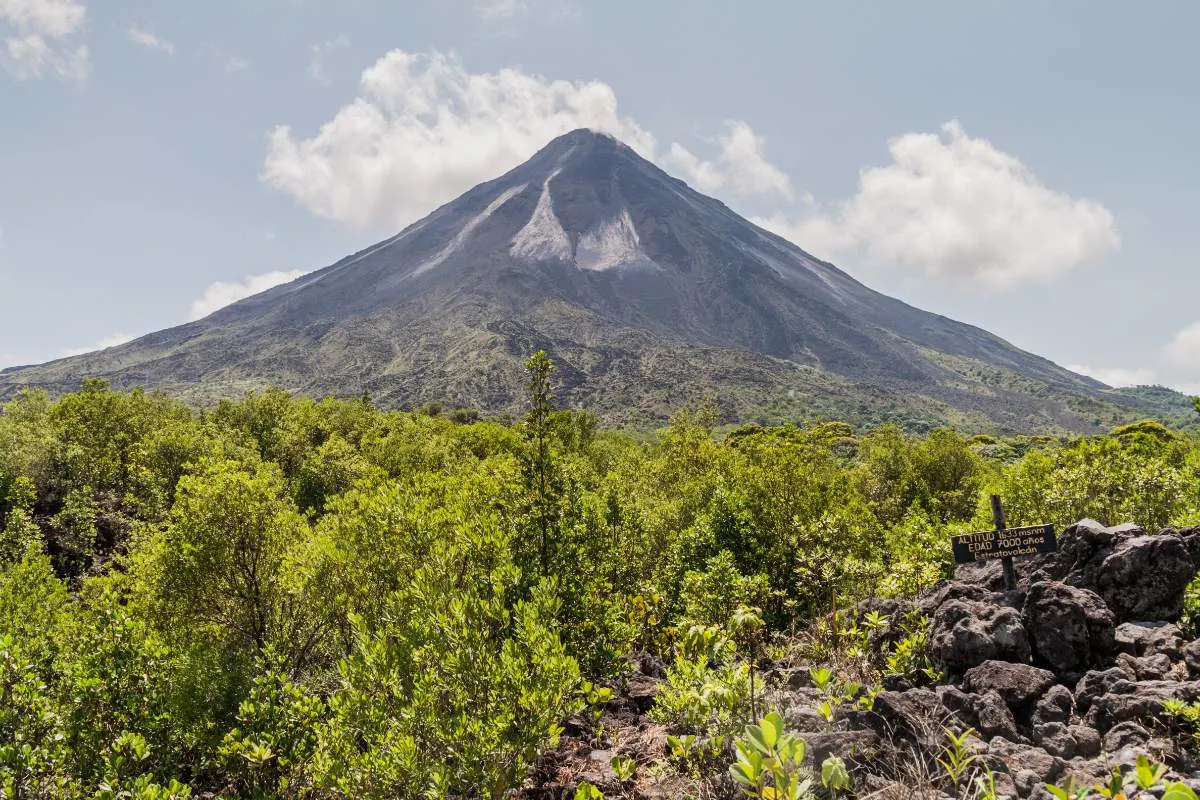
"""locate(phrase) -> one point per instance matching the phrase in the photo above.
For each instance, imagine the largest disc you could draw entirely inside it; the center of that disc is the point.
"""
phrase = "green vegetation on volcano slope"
(289, 598)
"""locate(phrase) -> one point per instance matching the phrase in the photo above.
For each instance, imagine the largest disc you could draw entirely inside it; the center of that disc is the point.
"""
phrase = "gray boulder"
(994, 716)
(1149, 668)
(1145, 577)
(966, 633)
(917, 713)
(958, 703)
(1128, 701)
(856, 748)
(1070, 627)
(1191, 657)
(1191, 540)
(1126, 734)
(1081, 548)
(1150, 638)
(933, 598)
(1017, 684)
(1057, 705)
(1056, 739)
(1088, 743)
(1018, 757)
(1139, 576)
(1097, 683)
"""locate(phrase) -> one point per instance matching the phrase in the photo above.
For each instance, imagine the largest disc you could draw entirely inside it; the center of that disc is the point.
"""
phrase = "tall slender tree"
(540, 466)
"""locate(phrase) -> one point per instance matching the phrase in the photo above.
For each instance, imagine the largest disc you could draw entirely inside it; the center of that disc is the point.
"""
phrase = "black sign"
(969, 547)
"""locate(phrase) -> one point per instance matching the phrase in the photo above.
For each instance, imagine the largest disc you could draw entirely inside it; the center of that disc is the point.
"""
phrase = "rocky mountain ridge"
(646, 293)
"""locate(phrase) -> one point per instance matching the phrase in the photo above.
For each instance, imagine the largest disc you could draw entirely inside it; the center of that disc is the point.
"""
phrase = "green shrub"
(708, 688)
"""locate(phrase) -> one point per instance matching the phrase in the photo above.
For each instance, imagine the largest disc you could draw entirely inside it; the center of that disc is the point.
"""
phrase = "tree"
(541, 473)
(219, 573)
(454, 689)
(18, 531)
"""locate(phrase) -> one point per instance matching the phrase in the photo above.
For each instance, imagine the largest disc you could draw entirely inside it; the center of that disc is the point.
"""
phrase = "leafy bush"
(1106, 479)
(770, 764)
(283, 597)
(454, 691)
(708, 689)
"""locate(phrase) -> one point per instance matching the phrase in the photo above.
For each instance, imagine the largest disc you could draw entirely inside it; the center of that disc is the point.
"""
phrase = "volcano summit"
(646, 293)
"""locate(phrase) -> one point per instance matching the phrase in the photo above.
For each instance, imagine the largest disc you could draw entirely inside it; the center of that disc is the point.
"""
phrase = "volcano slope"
(647, 294)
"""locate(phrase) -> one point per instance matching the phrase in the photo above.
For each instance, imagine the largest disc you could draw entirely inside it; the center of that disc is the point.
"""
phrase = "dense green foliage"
(289, 598)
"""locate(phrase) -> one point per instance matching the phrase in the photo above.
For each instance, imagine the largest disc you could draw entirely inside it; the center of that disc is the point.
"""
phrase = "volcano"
(647, 294)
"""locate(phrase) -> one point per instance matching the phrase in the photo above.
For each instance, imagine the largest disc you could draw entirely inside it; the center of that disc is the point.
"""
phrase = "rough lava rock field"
(1061, 680)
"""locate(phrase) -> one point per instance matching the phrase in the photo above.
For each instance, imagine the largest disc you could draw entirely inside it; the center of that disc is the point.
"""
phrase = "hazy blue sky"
(1028, 167)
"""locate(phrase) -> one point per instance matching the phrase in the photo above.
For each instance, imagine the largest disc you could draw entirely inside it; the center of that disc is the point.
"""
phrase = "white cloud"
(221, 294)
(144, 38)
(8, 359)
(316, 67)
(500, 9)
(1184, 348)
(423, 130)
(510, 9)
(811, 230)
(37, 39)
(33, 56)
(103, 344)
(1175, 364)
(228, 62)
(955, 206)
(741, 163)
(49, 17)
(1116, 377)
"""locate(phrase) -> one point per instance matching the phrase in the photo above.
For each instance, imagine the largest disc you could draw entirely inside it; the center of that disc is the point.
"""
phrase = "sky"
(1026, 167)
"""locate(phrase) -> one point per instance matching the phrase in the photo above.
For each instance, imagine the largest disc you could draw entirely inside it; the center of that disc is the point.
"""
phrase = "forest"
(283, 597)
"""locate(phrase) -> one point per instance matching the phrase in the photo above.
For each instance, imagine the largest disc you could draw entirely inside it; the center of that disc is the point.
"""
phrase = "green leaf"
(624, 767)
(772, 728)
(1179, 791)
(587, 791)
(740, 772)
(1147, 774)
(749, 768)
(791, 749)
(757, 737)
(834, 774)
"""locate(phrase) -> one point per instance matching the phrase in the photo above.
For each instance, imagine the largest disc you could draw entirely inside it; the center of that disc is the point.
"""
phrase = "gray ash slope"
(647, 293)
